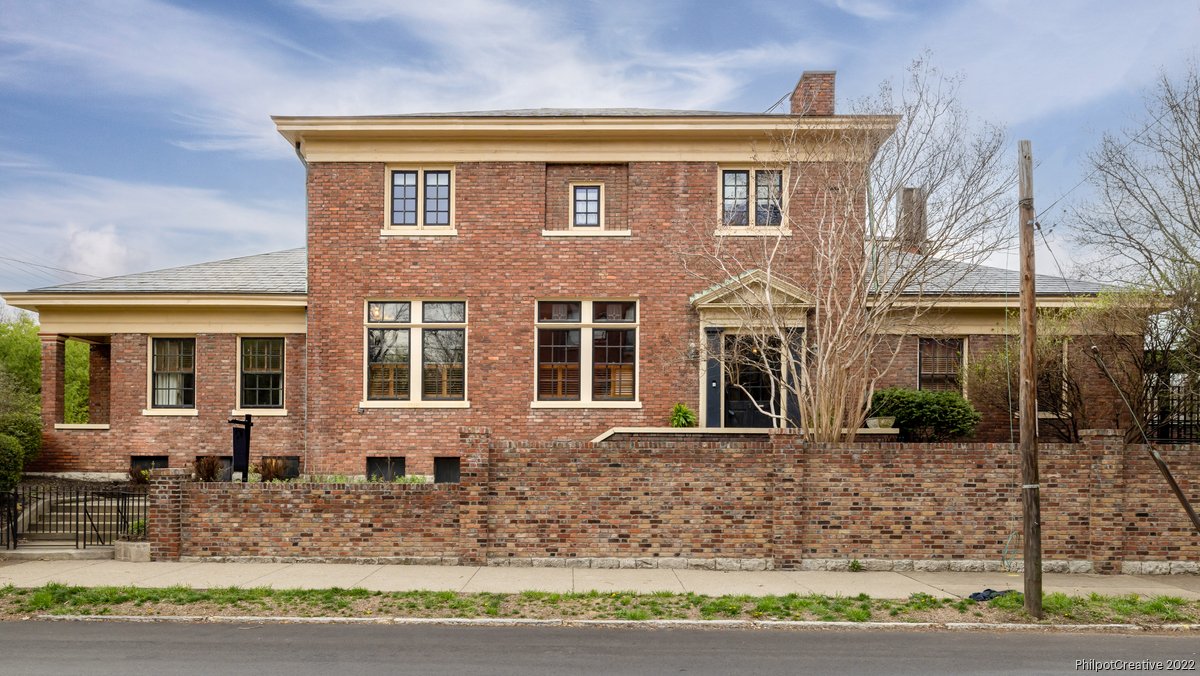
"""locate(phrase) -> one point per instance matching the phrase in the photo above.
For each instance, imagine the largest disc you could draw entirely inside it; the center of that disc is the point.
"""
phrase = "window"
(587, 351)
(434, 330)
(446, 470)
(940, 363)
(145, 463)
(385, 469)
(173, 373)
(587, 205)
(421, 198)
(764, 186)
(261, 367)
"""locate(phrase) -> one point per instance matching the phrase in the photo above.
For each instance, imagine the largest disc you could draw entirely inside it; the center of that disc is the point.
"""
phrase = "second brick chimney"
(814, 93)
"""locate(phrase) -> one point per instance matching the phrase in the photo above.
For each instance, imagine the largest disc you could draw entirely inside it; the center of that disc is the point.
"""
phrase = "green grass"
(62, 600)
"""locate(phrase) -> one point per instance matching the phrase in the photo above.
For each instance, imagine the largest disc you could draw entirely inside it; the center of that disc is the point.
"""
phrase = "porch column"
(712, 380)
(99, 365)
(54, 376)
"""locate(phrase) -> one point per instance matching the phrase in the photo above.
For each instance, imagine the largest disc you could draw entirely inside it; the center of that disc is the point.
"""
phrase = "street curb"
(626, 624)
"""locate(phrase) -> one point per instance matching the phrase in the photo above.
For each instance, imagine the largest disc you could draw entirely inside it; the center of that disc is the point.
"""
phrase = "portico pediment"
(749, 290)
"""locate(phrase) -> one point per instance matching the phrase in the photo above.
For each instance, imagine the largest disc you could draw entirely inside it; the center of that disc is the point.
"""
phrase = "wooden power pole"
(1031, 501)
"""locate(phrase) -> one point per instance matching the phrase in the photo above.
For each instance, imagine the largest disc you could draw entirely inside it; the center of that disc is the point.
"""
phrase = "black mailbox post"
(241, 446)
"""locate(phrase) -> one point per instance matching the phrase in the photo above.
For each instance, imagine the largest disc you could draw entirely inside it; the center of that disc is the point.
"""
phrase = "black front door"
(748, 378)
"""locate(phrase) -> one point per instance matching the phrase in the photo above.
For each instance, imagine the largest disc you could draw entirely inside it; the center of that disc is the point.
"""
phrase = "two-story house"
(517, 270)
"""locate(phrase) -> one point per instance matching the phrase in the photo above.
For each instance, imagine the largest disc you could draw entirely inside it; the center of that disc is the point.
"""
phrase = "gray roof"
(283, 272)
(942, 276)
(578, 112)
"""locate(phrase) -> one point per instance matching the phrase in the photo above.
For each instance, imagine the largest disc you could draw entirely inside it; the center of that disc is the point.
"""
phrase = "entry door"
(747, 381)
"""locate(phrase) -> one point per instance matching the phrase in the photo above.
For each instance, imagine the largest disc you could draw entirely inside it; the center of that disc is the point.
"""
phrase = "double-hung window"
(173, 373)
(586, 353)
(940, 363)
(752, 198)
(421, 198)
(261, 373)
(432, 332)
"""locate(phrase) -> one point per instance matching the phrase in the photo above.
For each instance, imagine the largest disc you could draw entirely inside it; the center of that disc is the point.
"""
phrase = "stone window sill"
(259, 412)
(440, 231)
(414, 404)
(752, 231)
(178, 412)
(585, 404)
(81, 426)
(587, 233)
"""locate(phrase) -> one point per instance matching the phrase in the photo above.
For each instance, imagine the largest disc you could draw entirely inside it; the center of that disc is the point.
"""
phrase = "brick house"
(508, 269)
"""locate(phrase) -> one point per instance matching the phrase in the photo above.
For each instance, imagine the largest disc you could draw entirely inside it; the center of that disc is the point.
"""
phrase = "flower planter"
(881, 422)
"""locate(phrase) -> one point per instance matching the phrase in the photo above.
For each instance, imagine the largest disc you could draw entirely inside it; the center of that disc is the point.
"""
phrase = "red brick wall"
(181, 438)
(776, 499)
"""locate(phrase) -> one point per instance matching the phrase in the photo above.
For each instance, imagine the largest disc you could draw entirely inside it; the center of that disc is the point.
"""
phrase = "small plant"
(855, 566)
(12, 460)
(682, 416)
(137, 530)
(409, 479)
(273, 469)
(139, 476)
(209, 468)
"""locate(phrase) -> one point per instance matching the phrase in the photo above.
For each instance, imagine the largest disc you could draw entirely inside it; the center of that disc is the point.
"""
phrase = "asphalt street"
(130, 649)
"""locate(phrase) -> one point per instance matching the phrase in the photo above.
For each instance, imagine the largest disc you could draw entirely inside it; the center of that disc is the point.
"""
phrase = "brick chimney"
(814, 93)
(912, 230)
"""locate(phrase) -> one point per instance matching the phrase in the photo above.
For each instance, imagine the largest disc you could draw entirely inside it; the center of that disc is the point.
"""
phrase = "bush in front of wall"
(925, 415)
(273, 469)
(26, 428)
(682, 416)
(209, 468)
(12, 461)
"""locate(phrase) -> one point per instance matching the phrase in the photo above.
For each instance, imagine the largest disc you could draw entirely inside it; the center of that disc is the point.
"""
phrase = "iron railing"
(1176, 417)
(86, 516)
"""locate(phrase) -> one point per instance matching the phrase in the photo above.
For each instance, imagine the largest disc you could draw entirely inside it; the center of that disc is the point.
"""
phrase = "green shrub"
(12, 460)
(682, 416)
(26, 428)
(924, 415)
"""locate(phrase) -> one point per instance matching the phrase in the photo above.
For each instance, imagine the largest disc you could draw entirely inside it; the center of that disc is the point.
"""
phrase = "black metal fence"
(1175, 417)
(85, 516)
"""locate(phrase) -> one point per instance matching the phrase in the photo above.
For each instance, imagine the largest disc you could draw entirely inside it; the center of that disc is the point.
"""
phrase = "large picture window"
(586, 351)
(433, 331)
(173, 373)
(261, 373)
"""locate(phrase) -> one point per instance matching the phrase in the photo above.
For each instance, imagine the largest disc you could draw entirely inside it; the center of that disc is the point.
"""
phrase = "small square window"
(147, 462)
(587, 205)
(446, 470)
(385, 469)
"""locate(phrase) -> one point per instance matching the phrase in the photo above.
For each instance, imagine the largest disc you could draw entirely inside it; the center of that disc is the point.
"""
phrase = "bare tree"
(1144, 224)
(868, 224)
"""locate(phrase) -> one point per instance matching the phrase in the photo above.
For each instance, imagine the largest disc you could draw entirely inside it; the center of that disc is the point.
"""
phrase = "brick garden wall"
(706, 502)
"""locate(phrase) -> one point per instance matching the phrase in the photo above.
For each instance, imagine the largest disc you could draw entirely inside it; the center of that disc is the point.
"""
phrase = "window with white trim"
(940, 364)
(433, 332)
(421, 198)
(587, 351)
(752, 197)
(587, 205)
(260, 373)
(173, 373)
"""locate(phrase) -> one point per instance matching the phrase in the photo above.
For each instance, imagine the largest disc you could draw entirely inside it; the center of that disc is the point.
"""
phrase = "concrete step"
(56, 552)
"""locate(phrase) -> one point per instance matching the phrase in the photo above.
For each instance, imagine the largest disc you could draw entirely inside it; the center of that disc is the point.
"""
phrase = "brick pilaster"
(475, 477)
(788, 453)
(99, 378)
(1106, 448)
(165, 520)
(54, 376)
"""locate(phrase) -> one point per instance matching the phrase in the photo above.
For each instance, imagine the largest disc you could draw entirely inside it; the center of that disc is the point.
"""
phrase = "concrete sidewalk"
(892, 585)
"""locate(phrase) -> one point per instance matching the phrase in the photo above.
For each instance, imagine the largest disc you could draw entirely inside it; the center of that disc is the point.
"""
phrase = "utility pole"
(1031, 501)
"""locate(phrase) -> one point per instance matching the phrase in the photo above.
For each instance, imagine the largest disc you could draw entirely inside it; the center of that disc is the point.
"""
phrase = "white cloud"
(876, 10)
(102, 227)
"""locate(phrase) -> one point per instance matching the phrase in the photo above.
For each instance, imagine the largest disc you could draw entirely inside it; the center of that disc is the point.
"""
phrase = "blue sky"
(135, 134)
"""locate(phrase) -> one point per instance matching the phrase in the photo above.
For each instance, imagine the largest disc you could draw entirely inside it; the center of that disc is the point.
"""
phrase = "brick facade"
(119, 395)
(694, 502)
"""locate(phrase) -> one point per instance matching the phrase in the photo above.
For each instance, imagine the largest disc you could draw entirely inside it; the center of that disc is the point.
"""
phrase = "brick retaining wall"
(707, 502)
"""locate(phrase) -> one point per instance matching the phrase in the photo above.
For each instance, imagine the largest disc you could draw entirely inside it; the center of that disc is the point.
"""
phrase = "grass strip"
(58, 599)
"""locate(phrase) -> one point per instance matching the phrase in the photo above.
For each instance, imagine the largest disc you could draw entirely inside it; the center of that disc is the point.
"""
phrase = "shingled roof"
(285, 272)
(282, 272)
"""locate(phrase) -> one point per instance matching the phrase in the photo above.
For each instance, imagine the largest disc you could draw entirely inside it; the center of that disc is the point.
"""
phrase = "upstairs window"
(173, 373)
(740, 186)
(587, 205)
(421, 198)
(940, 362)
(433, 331)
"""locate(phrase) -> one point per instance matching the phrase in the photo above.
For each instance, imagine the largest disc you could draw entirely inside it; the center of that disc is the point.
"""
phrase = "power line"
(50, 267)
(776, 104)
